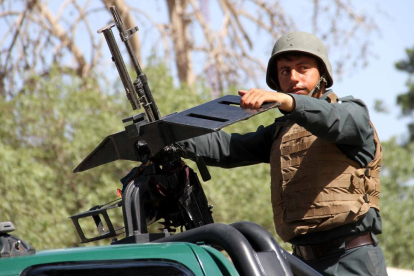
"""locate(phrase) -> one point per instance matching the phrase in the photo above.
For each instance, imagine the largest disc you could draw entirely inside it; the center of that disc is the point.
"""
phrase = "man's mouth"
(297, 90)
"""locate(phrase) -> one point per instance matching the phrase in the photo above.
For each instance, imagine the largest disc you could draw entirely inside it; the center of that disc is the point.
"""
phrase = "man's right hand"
(254, 98)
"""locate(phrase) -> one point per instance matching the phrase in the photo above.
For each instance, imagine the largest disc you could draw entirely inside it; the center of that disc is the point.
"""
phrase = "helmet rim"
(298, 42)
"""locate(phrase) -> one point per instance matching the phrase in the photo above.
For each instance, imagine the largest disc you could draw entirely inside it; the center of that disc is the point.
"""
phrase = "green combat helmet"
(298, 42)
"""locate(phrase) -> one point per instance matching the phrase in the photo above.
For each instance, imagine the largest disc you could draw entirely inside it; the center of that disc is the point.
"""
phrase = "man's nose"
(294, 76)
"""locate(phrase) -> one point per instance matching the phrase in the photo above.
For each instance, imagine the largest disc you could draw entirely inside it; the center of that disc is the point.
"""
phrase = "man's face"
(297, 74)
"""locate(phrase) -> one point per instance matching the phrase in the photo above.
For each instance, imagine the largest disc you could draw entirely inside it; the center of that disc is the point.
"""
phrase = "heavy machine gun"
(163, 187)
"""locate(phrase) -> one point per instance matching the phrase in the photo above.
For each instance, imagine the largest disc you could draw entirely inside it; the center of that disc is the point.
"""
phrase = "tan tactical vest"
(315, 186)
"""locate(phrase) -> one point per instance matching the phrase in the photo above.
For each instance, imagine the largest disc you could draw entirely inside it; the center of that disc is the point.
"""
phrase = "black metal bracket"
(96, 213)
(205, 118)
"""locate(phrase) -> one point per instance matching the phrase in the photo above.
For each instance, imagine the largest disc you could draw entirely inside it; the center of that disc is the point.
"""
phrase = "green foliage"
(167, 95)
(381, 107)
(397, 203)
(407, 65)
(46, 131)
(406, 100)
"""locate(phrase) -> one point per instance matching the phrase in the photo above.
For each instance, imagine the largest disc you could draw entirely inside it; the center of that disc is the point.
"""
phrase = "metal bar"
(120, 66)
(227, 238)
(145, 92)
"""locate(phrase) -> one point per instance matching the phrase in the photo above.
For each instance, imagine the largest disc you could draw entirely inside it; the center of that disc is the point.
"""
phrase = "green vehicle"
(252, 250)
(162, 189)
(127, 259)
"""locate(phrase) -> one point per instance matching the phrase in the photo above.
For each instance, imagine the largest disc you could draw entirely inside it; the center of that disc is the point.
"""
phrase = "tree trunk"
(57, 30)
(182, 46)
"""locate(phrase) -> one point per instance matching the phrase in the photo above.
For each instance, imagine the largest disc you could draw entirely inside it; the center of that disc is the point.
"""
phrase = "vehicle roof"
(200, 260)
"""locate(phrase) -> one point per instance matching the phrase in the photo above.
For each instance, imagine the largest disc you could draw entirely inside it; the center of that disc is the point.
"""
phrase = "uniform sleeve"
(233, 150)
(345, 123)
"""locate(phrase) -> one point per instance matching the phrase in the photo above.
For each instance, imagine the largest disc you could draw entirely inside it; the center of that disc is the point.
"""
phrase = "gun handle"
(202, 167)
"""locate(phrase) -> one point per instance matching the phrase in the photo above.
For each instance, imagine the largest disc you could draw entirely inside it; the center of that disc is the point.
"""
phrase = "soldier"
(325, 159)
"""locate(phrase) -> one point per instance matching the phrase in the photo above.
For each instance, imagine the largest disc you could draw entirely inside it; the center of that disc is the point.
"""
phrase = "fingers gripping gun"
(162, 187)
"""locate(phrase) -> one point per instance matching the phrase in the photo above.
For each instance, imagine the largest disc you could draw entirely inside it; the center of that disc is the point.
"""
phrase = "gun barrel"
(120, 66)
(125, 35)
(142, 87)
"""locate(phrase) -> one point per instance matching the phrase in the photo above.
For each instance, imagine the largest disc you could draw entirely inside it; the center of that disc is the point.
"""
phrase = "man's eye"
(284, 72)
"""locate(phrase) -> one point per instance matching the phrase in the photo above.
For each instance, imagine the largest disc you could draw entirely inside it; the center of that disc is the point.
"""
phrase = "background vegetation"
(56, 105)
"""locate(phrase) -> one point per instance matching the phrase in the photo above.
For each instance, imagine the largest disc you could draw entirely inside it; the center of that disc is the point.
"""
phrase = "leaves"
(397, 203)
(47, 131)
(406, 100)
(407, 65)
(381, 107)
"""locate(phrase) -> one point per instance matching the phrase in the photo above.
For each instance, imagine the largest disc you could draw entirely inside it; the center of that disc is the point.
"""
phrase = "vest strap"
(321, 169)
(332, 98)
(296, 135)
(367, 172)
(321, 157)
(372, 199)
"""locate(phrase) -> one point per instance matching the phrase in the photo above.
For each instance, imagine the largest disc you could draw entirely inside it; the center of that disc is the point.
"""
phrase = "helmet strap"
(322, 82)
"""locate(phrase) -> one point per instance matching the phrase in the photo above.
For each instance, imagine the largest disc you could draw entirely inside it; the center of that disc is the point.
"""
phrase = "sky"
(379, 80)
